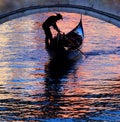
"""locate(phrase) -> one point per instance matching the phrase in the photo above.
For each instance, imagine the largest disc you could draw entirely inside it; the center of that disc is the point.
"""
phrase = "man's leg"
(46, 41)
(49, 35)
(46, 30)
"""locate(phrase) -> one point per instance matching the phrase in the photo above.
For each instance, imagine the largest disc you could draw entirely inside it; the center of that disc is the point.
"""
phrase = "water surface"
(34, 88)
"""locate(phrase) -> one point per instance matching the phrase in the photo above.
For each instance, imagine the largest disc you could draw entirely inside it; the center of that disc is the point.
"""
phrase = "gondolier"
(67, 46)
(51, 21)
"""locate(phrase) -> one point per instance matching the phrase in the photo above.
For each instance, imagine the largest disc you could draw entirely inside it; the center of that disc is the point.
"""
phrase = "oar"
(82, 53)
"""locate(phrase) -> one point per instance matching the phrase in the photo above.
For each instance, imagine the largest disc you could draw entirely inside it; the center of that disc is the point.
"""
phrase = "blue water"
(37, 89)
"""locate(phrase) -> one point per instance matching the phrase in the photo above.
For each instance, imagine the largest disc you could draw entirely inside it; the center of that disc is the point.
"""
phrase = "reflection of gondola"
(67, 45)
(56, 74)
(57, 69)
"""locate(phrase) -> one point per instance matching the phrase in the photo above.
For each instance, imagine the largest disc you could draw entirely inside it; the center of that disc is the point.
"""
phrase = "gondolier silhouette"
(51, 21)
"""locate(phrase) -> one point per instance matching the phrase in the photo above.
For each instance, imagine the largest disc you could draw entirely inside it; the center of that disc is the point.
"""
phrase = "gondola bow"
(67, 45)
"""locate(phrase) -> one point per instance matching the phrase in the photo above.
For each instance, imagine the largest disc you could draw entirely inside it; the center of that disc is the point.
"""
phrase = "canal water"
(36, 89)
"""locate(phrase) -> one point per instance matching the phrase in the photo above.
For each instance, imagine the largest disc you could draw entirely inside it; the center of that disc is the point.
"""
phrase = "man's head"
(59, 16)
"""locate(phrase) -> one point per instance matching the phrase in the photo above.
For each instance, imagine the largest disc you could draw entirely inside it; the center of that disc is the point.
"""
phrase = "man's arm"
(56, 27)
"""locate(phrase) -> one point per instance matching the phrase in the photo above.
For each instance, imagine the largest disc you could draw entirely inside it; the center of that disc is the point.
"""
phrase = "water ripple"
(35, 88)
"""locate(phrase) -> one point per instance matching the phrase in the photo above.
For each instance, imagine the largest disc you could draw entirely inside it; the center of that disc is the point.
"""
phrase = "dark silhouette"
(55, 72)
(51, 21)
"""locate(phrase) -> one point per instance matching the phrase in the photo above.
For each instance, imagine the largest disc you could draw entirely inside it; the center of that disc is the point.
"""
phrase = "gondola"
(67, 46)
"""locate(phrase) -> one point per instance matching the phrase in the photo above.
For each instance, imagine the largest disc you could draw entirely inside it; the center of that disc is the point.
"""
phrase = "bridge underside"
(110, 18)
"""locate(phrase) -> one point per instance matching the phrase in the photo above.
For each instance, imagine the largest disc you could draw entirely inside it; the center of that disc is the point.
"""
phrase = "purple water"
(33, 88)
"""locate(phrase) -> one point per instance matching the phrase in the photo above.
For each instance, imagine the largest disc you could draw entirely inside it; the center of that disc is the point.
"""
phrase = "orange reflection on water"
(39, 90)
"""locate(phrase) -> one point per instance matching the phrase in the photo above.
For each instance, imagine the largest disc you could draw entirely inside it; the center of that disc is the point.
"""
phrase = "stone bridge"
(107, 10)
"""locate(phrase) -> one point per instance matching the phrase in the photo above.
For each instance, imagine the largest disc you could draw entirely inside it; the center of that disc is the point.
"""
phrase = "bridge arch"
(71, 8)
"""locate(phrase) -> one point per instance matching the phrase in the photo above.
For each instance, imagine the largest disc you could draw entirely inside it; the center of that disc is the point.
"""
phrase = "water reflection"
(56, 73)
(58, 69)
(33, 87)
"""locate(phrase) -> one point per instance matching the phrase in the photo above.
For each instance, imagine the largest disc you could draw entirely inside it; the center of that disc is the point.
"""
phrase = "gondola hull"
(67, 46)
(62, 54)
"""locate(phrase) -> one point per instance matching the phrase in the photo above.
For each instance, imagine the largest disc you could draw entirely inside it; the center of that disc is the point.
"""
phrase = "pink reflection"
(91, 86)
